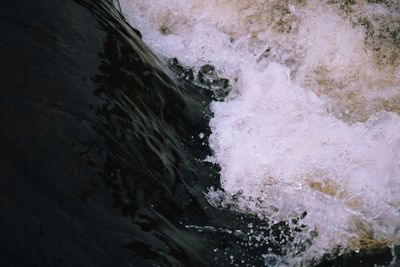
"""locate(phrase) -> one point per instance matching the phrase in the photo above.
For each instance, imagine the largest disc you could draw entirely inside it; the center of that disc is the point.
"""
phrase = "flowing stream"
(311, 126)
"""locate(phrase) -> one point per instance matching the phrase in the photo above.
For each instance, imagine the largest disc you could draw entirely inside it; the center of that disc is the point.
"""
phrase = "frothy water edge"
(312, 119)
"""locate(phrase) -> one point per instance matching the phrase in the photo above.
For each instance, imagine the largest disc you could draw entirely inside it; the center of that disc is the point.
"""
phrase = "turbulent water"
(223, 133)
(310, 128)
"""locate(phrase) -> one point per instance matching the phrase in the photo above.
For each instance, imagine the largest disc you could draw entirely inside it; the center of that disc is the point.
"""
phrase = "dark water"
(99, 152)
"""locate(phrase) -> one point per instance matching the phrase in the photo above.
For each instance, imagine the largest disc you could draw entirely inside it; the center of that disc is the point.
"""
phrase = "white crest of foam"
(313, 125)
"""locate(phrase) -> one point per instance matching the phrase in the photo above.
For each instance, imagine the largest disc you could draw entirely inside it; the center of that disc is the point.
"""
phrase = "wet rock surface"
(207, 77)
(181, 72)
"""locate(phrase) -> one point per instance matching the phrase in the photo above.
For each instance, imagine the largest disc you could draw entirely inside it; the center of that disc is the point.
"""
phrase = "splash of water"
(312, 121)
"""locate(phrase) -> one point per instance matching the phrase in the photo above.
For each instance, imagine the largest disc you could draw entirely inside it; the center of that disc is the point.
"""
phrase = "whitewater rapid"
(312, 120)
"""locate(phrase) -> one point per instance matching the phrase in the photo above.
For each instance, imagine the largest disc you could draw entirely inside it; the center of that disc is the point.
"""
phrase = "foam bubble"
(312, 121)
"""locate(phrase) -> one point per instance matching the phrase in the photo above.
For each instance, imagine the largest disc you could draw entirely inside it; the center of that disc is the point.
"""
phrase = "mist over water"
(311, 124)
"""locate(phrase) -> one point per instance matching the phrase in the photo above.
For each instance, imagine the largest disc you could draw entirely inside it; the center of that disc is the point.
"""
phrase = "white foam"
(312, 125)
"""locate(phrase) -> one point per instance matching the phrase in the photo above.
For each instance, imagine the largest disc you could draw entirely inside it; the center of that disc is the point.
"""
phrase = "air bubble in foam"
(312, 121)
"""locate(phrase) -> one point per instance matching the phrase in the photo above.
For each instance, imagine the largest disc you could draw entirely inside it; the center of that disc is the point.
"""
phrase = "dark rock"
(181, 72)
(208, 76)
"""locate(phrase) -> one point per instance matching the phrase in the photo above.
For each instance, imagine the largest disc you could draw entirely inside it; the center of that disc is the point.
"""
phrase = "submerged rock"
(208, 76)
(181, 72)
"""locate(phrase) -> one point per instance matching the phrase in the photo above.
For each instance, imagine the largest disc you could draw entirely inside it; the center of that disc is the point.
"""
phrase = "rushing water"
(224, 133)
(310, 128)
